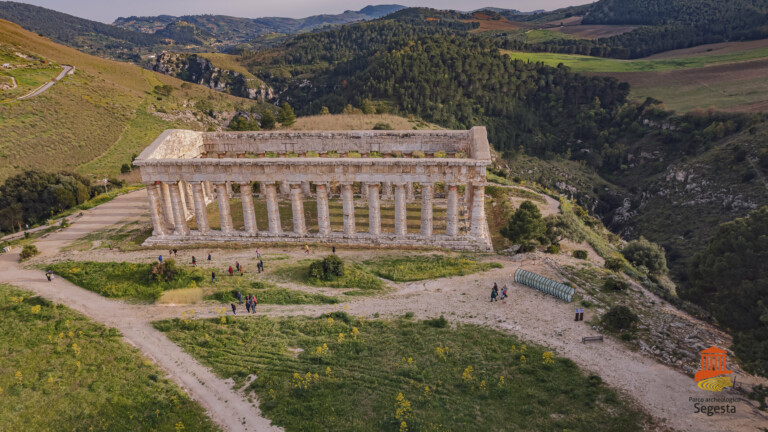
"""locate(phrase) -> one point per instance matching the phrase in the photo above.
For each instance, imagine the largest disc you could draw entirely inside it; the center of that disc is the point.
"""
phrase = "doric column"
(167, 206)
(273, 211)
(285, 188)
(468, 190)
(225, 214)
(477, 224)
(156, 209)
(452, 213)
(189, 199)
(323, 212)
(410, 195)
(387, 190)
(348, 208)
(179, 219)
(201, 212)
(183, 194)
(374, 209)
(305, 189)
(401, 218)
(427, 192)
(209, 193)
(249, 214)
(297, 206)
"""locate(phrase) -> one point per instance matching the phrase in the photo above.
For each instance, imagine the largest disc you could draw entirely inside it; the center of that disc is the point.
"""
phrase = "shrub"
(580, 254)
(382, 126)
(28, 251)
(525, 224)
(526, 247)
(553, 249)
(612, 284)
(327, 269)
(125, 168)
(619, 318)
(614, 264)
(418, 154)
(437, 322)
(645, 253)
(165, 271)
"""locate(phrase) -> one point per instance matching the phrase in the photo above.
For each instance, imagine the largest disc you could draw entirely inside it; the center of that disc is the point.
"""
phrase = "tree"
(324, 111)
(647, 254)
(267, 119)
(286, 116)
(327, 269)
(368, 107)
(243, 122)
(729, 278)
(526, 224)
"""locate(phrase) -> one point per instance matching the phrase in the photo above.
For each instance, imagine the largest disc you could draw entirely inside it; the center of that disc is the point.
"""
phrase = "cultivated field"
(728, 76)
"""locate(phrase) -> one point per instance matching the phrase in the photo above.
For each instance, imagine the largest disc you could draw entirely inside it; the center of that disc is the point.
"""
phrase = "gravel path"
(660, 390)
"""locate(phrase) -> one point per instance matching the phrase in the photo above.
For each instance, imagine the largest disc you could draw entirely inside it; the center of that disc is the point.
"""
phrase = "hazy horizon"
(107, 12)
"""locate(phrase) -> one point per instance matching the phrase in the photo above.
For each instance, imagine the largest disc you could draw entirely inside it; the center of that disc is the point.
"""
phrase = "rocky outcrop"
(199, 70)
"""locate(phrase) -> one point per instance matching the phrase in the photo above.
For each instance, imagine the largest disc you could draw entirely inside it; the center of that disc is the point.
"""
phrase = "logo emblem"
(712, 377)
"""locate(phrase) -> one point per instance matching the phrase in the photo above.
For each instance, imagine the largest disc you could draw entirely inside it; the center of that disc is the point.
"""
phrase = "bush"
(327, 269)
(165, 271)
(645, 253)
(580, 254)
(382, 126)
(437, 322)
(614, 264)
(28, 251)
(619, 318)
(125, 168)
(525, 224)
(553, 249)
(615, 285)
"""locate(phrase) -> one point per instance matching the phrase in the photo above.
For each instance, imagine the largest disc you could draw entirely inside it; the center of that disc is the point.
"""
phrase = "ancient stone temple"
(440, 172)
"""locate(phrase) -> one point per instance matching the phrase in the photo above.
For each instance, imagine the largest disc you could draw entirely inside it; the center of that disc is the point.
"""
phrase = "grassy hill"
(96, 119)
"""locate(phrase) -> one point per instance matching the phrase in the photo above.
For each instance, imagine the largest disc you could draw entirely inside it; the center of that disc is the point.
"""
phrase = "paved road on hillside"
(46, 86)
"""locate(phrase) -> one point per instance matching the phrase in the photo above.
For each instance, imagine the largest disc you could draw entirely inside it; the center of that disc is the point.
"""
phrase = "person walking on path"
(194, 261)
(237, 266)
(503, 292)
(48, 275)
(234, 309)
(242, 270)
(306, 248)
(247, 304)
(213, 276)
(175, 252)
(258, 253)
(254, 302)
(230, 271)
(494, 293)
(209, 257)
(333, 249)
(160, 259)
(239, 297)
(261, 266)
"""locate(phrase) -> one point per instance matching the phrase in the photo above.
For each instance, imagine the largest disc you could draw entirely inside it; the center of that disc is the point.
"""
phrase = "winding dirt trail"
(225, 406)
(662, 391)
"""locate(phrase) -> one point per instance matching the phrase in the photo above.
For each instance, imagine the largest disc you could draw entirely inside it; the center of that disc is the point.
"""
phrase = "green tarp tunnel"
(547, 286)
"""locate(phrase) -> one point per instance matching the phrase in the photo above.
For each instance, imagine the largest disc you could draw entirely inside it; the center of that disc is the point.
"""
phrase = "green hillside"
(96, 119)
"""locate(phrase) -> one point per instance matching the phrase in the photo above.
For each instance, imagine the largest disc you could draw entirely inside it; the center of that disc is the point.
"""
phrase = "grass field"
(421, 267)
(355, 276)
(61, 371)
(28, 79)
(358, 122)
(345, 374)
(123, 280)
(267, 293)
(581, 63)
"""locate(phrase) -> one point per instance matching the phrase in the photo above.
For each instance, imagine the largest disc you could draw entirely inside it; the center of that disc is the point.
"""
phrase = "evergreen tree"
(526, 224)
(324, 111)
(267, 119)
(286, 116)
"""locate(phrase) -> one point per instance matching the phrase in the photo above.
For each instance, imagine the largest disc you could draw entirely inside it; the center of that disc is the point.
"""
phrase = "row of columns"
(171, 204)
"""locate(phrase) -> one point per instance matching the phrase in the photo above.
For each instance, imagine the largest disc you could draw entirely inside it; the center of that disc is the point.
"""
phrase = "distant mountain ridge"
(229, 30)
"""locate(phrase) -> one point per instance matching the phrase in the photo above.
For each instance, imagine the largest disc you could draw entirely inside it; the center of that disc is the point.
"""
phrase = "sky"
(107, 10)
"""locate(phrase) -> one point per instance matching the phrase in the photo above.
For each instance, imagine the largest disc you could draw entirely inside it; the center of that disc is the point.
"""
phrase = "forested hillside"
(666, 25)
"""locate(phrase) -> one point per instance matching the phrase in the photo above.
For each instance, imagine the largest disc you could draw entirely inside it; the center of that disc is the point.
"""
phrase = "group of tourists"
(495, 295)
(250, 303)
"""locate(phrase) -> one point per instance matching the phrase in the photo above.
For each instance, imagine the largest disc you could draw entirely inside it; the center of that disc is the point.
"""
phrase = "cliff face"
(200, 70)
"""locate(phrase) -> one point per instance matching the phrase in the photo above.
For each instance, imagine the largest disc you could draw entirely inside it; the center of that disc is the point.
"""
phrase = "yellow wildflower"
(35, 309)
(467, 375)
(19, 377)
(548, 358)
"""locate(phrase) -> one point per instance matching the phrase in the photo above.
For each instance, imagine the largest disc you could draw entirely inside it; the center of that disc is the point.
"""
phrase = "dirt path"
(660, 390)
(225, 406)
(49, 84)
